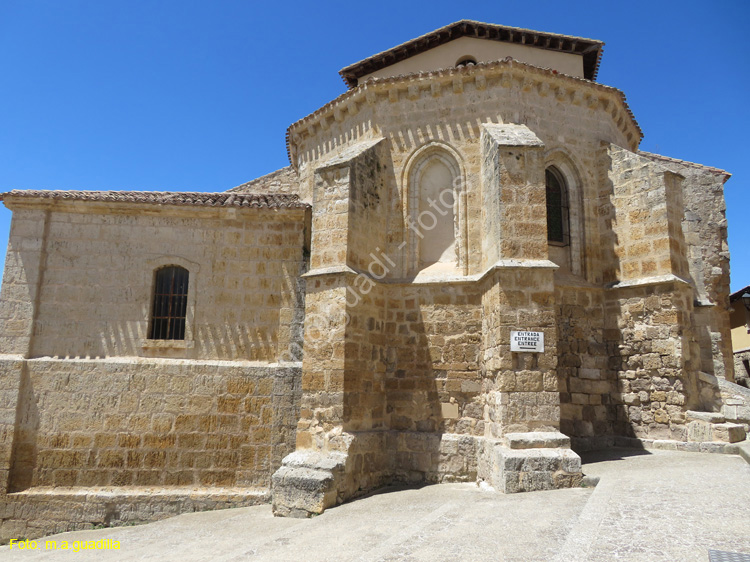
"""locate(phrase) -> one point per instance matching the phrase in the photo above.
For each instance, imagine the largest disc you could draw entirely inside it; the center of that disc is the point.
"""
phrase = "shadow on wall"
(433, 380)
(25, 452)
(653, 354)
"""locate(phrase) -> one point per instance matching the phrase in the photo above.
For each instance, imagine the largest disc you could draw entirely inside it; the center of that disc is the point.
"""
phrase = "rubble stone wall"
(704, 226)
(655, 360)
(585, 354)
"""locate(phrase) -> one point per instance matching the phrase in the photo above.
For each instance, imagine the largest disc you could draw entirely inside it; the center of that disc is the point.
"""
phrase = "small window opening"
(466, 61)
(170, 304)
(557, 207)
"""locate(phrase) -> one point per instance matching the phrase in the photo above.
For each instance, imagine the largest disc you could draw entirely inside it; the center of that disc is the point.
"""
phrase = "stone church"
(467, 272)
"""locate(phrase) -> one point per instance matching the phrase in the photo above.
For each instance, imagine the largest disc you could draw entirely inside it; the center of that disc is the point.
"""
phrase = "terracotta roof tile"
(199, 199)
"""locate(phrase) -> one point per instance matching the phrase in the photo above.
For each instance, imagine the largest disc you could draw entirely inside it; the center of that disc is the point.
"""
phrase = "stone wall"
(704, 226)
(88, 401)
(522, 390)
(40, 512)
(645, 222)
(569, 118)
(120, 422)
(284, 180)
(243, 268)
(434, 335)
(585, 354)
(656, 360)
(742, 367)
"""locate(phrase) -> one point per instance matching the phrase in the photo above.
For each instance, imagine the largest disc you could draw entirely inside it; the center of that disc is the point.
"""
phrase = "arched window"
(558, 229)
(467, 60)
(170, 303)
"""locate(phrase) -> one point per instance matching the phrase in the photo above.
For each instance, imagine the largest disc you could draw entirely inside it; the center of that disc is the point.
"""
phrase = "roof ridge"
(351, 73)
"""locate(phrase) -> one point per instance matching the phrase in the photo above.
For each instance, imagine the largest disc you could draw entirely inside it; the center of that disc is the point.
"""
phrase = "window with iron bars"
(170, 304)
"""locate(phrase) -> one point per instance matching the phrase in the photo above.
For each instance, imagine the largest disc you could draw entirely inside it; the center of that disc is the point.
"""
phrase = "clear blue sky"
(196, 96)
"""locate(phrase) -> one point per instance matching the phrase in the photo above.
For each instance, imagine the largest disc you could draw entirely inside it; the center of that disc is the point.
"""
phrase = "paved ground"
(658, 506)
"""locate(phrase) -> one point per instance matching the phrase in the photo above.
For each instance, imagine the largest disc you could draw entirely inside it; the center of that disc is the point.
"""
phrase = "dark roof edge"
(590, 49)
(734, 297)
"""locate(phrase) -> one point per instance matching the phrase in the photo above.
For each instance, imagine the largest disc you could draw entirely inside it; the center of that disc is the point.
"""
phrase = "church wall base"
(38, 512)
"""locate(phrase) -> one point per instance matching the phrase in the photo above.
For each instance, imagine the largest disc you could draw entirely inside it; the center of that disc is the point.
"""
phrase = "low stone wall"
(128, 422)
(40, 512)
(75, 426)
(585, 444)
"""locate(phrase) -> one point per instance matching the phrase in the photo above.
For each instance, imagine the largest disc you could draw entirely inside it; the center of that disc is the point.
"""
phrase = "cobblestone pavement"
(656, 506)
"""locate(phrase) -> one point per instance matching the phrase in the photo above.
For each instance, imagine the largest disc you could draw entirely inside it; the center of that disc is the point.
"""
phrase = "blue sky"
(196, 96)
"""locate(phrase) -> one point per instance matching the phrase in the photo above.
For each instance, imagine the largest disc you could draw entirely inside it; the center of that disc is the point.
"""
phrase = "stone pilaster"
(341, 435)
(650, 302)
(522, 391)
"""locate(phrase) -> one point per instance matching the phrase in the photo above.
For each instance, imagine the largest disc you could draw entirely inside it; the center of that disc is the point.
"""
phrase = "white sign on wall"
(529, 342)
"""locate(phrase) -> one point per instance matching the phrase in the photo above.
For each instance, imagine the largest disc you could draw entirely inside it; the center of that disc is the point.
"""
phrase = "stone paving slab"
(655, 506)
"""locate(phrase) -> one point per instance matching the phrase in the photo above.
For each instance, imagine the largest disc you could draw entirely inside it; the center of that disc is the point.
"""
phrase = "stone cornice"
(427, 279)
(544, 81)
(647, 281)
(667, 159)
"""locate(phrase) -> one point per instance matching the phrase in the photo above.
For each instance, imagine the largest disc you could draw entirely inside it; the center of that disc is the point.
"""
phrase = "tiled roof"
(684, 163)
(589, 49)
(199, 199)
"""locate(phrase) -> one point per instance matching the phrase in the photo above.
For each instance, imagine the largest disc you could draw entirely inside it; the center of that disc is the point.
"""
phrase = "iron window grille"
(170, 304)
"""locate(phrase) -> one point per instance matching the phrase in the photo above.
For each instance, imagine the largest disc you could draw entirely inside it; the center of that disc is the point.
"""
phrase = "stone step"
(710, 417)
(304, 485)
(537, 440)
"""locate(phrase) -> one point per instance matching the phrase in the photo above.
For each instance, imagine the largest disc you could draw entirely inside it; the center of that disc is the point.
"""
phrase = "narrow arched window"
(170, 303)
(557, 207)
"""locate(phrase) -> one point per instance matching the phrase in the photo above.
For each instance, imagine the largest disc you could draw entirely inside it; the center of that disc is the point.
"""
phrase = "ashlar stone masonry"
(346, 321)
